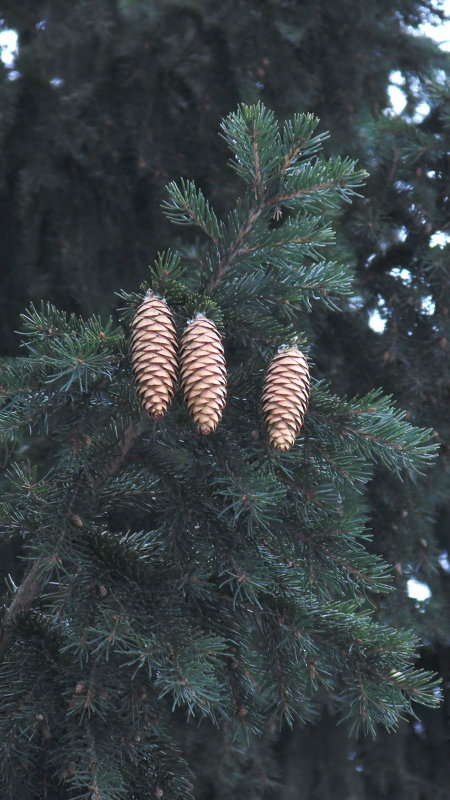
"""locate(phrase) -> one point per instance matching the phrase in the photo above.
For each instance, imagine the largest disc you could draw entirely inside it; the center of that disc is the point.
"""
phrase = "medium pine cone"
(154, 354)
(285, 397)
(203, 373)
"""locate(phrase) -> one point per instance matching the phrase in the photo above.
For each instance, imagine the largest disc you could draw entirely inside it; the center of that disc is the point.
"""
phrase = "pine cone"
(203, 373)
(154, 354)
(285, 397)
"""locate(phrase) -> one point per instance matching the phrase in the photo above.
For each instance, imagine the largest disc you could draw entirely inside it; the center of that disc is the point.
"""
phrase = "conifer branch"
(187, 205)
(259, 187)
(280, 243)
(284, 198)
(26, 593)
(234, 249)
(36, 578)
(130, 436)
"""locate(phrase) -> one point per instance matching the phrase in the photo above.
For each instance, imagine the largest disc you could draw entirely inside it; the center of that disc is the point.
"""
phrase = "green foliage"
(105, 103)
(177, 580)
(188, 206)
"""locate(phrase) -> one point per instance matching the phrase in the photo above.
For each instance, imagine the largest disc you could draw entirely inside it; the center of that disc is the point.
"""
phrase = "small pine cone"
(154, 354)
(203, 373)
(285, 397)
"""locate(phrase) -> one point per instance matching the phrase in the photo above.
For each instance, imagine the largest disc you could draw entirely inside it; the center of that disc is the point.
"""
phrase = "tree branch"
(235, 248)
(36, 578)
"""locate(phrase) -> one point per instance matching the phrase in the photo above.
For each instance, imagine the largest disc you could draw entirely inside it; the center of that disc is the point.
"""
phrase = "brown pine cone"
(203, 373)
(285, 397)
(154, 354)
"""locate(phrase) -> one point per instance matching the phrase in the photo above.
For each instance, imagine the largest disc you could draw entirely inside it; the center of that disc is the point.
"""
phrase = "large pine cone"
(154, 354)
(285, 397)
(203, 373)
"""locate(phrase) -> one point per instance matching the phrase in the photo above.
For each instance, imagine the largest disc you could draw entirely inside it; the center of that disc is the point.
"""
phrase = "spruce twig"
(235, 248)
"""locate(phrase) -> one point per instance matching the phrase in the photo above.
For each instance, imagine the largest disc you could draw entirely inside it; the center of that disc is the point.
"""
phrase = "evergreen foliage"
(107, 102)
(184, 596)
